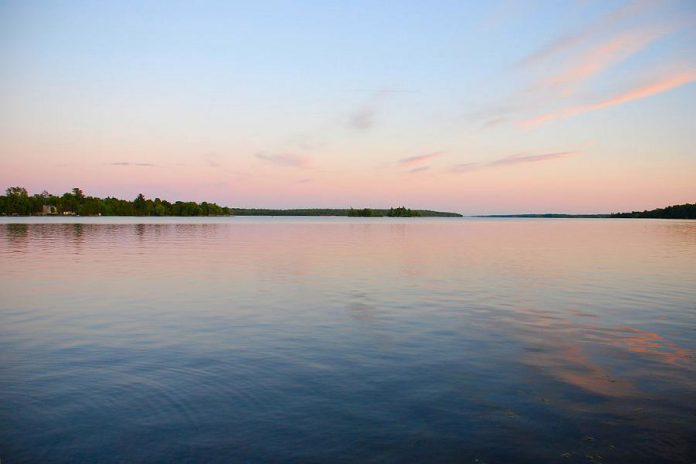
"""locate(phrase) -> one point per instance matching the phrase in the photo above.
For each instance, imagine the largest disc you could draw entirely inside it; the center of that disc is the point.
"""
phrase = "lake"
(347, 340)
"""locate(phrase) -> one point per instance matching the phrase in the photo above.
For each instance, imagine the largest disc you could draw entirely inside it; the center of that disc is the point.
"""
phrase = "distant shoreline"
(349, 212)
(252, 212)
(18, 203)
(685, 211)
(545, 216)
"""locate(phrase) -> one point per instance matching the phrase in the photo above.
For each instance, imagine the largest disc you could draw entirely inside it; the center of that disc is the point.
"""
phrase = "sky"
(469, 106)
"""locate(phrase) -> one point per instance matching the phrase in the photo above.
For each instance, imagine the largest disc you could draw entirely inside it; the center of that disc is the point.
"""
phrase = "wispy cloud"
(662, 85)
(285, 159)
(492, 115)
(574, 63)
(363, 118)
(416, 160)
(419, 169)
(466, 167)
(128, 163)
(494, 122)
(566, 42)
(519, 158)
(522, 158)
(600, 58)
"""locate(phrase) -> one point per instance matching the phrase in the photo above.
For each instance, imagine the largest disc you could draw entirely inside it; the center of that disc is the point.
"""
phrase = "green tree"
(139, 204)
(16, 192)
(18, 201)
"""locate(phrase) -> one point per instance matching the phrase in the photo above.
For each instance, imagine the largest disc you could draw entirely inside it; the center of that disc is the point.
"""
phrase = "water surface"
(347, 340)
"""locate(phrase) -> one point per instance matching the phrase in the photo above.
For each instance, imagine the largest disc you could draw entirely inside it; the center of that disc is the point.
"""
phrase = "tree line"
(391, 212)
(350, 212)
(18, 202)
(685, 211)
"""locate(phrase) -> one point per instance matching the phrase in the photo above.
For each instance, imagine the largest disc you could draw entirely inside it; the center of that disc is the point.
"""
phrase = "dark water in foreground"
(328, 340)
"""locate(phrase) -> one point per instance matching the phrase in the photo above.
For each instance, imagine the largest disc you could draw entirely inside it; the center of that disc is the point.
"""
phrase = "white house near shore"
(49, 209)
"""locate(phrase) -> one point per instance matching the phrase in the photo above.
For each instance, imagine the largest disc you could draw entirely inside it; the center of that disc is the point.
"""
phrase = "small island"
(18, 202)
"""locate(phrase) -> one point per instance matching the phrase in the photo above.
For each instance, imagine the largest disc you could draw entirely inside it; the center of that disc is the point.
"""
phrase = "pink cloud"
(603, 56)
(521, 158)
(510, 160)
(663, 85)
(416, 160)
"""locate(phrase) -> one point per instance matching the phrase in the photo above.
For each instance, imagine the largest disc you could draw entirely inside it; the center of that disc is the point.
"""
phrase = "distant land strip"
(18, 202)
(351, 212)
(544, 215)
(685, 211)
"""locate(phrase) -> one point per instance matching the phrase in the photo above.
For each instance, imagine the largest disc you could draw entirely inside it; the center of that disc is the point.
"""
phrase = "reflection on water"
(337, 340)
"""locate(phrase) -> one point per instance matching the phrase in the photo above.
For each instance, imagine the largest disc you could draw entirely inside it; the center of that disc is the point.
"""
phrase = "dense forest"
(18, 202)
(685, 211)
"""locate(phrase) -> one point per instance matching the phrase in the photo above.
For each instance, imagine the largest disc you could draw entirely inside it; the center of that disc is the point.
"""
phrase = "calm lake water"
(347, 340)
